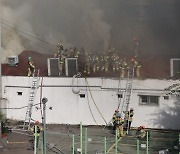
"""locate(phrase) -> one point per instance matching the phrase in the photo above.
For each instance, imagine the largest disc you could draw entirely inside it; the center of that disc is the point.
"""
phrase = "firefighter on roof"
(60, 50)
(31, 67)
(115, 62)
(76, 53)
(123, 67)
(96, 66)
(105, 62)
(137, 66)
(87, 62)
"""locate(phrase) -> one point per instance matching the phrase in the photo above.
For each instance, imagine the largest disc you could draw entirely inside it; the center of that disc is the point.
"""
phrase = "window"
(82, 95)
(166, 97)
(19, 93)
(174, 66)
(120, 95)
(148, 100)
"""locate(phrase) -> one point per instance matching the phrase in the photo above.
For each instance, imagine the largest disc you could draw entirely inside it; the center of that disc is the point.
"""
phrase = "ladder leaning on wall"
(126, 100)
(34, 86)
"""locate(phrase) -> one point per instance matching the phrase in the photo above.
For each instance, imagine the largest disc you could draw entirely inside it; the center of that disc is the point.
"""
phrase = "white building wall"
(98, 105)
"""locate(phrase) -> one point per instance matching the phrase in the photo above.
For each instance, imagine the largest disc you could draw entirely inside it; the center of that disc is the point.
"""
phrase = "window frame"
(149, 100)
(172, 60)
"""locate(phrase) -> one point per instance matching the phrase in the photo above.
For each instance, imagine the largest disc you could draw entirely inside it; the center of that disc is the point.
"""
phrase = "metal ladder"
(34, 85)
(127, 95)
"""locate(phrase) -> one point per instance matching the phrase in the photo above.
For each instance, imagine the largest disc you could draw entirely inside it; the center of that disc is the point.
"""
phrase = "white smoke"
(13, 46)
(76, 23)
(11, 40)
(93, 24)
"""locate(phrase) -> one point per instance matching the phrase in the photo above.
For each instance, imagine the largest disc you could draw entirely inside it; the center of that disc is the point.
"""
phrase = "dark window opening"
(19, 93)
(82, 95)
(120, 95)
(166, 97)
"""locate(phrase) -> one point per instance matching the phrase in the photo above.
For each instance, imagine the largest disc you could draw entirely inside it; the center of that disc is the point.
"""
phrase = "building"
(92, 100)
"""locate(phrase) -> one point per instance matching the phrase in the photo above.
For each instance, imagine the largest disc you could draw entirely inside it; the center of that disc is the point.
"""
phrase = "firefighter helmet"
(29, 58)
(143, 127)
(118, 114)
(36, 123)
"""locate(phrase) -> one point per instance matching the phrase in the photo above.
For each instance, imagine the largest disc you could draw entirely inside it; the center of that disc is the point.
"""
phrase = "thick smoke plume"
(94, 24)
(76, 23)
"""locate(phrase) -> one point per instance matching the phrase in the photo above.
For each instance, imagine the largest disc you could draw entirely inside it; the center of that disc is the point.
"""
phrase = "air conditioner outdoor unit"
(53, 67)
(71, 67)
(12, 60)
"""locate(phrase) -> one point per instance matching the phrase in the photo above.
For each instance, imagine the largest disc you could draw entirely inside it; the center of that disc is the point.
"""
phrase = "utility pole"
(44, 101)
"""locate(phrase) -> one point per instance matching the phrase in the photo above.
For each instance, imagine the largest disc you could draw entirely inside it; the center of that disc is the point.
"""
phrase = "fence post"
(104, 145)
(147, 142)
(35, 140)
(137, 146)
(86, 140)
(116, 143)
(73, 144)
(81, 137)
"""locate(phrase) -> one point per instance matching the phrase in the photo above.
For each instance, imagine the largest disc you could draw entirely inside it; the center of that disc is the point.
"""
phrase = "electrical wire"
(39, 45)
(28, 34)
(20, 27)
(18, 108)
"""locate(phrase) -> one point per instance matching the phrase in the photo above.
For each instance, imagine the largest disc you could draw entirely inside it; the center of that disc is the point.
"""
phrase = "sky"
(96, 25)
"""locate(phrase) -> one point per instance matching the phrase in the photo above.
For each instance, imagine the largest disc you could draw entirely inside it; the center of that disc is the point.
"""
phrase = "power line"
(17, 108)
(28, 34)
(39, 45)
(24, 29)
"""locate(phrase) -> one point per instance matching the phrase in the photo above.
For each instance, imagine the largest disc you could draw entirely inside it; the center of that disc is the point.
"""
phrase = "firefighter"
(62, 58)
(105, 62)
(76, 53)
(96, 66)
(141, 133)
(119, 125)
(114, 119)
(115, 62)
(59, 51)
(60, 48)
(36, 131)
(123, 67)
(131, 114)
(87, 62)
(137, 66)
(31, 67)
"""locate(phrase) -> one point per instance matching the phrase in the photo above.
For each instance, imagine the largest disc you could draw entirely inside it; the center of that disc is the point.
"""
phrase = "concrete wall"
(96, 107)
